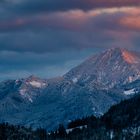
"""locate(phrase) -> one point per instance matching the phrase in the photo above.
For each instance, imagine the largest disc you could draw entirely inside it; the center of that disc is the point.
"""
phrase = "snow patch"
(130, 79)
(22, 92)
(130, 92)
(75, 80)
(79, 127)
(30, 99)
(37, 84)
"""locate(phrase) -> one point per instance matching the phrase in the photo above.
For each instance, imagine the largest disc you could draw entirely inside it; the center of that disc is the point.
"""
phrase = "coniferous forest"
(121, 122)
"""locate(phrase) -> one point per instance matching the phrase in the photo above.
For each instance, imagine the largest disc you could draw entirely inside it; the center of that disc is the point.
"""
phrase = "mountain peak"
(33, 77)
(128, 56)
(108, 69)
(116, 51)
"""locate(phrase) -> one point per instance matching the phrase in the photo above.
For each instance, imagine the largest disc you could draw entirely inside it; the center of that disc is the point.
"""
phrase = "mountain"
(121, 122)
(88, 89)
(111, 68)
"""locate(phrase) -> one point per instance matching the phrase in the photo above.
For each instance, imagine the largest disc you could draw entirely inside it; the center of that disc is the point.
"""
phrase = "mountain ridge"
(91, 88)
(106, 67)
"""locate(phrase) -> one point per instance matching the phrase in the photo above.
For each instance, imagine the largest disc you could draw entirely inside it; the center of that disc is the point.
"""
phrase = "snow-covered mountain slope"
(111, 68)
(90, 88)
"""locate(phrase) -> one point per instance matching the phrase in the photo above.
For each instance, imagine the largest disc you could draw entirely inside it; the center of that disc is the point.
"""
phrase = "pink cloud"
(131, 22)
(124, 18)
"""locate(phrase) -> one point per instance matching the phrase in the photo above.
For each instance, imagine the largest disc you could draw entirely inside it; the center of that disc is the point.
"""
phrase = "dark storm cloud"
(59, 5)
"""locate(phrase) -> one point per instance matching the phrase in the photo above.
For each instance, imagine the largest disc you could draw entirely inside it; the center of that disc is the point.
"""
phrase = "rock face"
(90, 88)
(111, 68)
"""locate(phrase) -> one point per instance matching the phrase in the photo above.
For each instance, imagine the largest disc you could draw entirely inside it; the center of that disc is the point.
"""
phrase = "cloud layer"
(60, 5)
(41, 36)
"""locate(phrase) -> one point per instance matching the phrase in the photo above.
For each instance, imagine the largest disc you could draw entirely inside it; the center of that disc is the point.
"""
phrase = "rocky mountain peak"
(33, 77)
(108, 69)
(130, 57)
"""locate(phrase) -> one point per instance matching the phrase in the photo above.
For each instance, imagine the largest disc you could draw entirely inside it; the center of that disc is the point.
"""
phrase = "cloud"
(70, 30)
(131, 22)
(61, 5)
(47, 38)
(21, 8)
(72, 20)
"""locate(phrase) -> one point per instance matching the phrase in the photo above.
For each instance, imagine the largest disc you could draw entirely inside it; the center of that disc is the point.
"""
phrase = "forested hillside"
(121, 122)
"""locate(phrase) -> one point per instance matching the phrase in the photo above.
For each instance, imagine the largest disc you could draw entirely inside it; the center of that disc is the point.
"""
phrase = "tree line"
(121, 122)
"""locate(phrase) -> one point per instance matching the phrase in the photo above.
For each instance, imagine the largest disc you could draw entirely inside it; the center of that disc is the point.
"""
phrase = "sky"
(47, 38)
